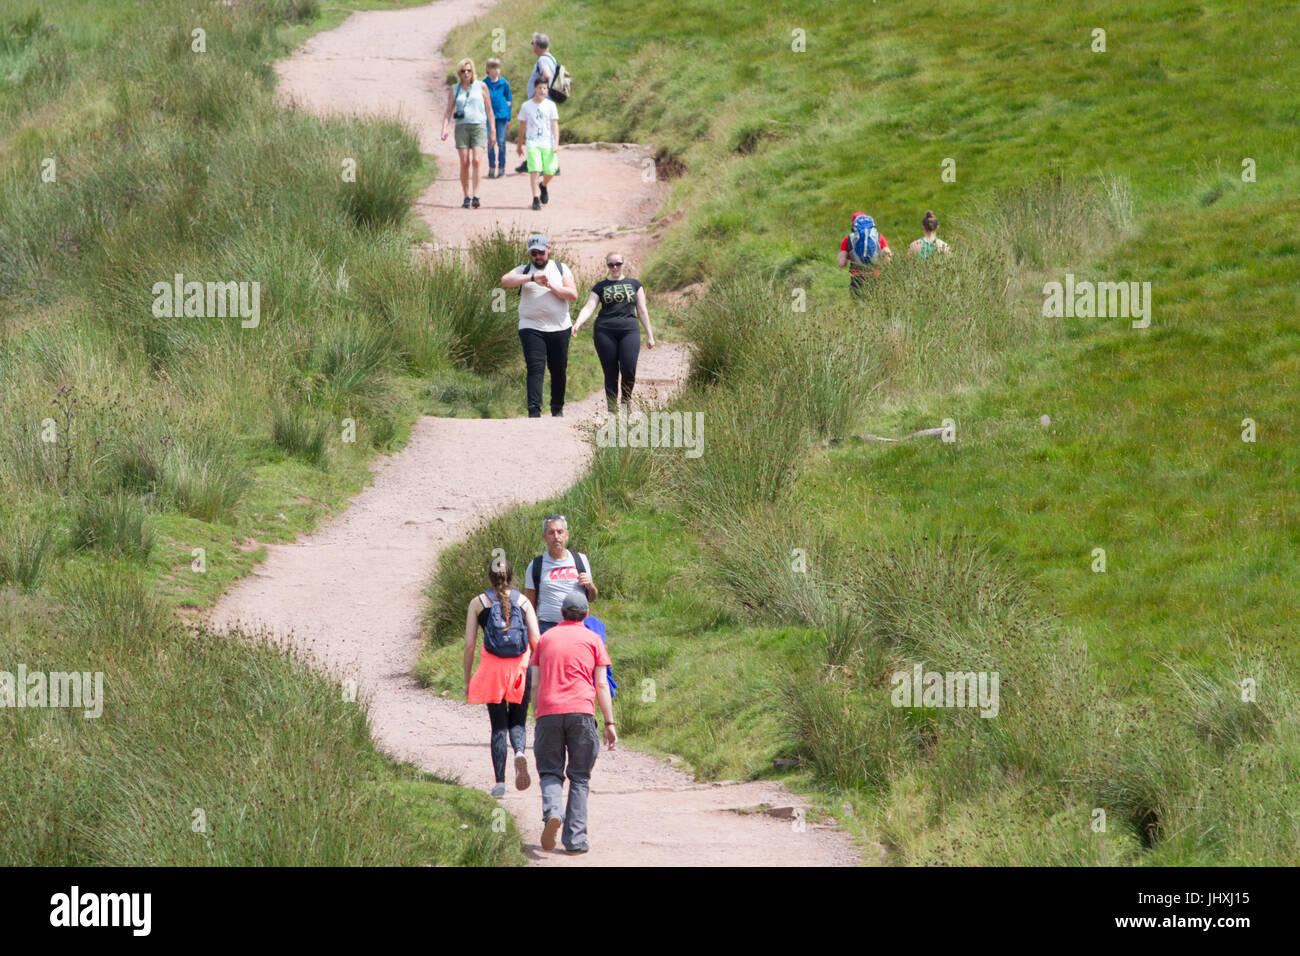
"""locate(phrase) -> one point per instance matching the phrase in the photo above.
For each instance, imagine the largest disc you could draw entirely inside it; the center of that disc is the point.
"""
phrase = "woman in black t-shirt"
(616, 335)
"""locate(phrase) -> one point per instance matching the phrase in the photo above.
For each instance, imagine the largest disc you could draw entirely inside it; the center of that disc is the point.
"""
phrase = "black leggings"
(508, 722)
(618, 351)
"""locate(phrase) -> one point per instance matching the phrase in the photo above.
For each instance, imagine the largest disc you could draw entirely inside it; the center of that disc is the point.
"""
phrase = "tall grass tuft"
(115, 523)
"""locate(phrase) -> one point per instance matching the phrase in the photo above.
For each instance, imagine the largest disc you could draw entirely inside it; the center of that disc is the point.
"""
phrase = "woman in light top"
(470, 104)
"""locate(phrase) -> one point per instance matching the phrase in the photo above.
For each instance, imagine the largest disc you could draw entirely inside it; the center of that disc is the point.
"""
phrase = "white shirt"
(539, 308)
(536, 118)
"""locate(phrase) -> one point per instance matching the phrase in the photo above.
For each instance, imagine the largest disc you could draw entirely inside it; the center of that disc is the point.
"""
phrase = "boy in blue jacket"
(499, 89)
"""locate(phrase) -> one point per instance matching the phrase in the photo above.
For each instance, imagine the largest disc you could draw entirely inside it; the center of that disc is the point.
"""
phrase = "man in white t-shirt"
(539, 130)
(545, 290)
(555, 572)
(544, 69)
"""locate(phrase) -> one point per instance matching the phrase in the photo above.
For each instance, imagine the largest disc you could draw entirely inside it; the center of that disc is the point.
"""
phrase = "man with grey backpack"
(558, 80)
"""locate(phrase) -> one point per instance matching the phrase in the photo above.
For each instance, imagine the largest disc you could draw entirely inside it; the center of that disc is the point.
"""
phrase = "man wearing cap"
(545, 290)
(571, 661)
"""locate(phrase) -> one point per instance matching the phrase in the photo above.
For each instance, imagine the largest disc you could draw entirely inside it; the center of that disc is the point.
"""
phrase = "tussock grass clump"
(116, 523)
(1051, 220)
(299, 431)
(25, 553)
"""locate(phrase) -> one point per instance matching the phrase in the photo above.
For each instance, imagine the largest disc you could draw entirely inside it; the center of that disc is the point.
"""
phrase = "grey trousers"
(554, 737)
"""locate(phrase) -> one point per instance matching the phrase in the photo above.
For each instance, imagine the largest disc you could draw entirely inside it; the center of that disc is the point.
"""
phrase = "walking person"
(544, 69)
(470, 104)
(555, 572)
(502, 105)
(539, 130)
(929, 244)
(616, 334)
(863, 250)
(545, 289)
(503, 679)
(571, 660)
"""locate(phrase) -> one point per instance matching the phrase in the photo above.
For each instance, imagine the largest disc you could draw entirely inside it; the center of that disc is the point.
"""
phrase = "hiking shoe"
(522, 780)
(545, 196)
(522, 167)
(575, 850)
(499, 790)
(474, 202)
(465, 204)
(559, 414)
(537, 204)
(550, 831)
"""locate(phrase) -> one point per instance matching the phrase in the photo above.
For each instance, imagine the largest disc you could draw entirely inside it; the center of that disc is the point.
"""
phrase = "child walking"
(539, 130)
(502, 103)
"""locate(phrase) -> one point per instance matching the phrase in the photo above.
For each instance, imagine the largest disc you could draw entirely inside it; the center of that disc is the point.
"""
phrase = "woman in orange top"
(502, 682)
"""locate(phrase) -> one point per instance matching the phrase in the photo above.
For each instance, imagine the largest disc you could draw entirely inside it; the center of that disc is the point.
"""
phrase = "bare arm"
(491, 119)
(451, 108)
(471, 638)
(842, 259)
(606, 705)
(532, 596)
(643, 314)
(513, 279)
(585, 314)
(566, 290)
(534, 629)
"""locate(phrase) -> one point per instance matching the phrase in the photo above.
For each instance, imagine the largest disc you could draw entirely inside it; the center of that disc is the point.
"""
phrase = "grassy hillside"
(1122, 690)
(148, 453)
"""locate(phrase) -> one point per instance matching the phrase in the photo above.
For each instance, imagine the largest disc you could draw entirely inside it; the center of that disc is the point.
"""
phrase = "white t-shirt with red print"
(557, 579)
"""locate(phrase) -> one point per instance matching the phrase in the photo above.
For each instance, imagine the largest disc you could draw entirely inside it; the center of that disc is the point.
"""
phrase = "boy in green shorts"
(539, 130)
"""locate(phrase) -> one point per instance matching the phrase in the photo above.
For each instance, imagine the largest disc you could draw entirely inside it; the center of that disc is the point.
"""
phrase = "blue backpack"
(597, 626)
(500, 638)
(864, 241)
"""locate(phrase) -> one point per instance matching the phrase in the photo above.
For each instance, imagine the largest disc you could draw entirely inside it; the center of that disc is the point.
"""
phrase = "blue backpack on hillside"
(500, 638)
(864, 241)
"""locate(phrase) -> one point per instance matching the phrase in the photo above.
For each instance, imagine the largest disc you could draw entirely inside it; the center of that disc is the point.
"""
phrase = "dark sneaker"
(559, 414)
(545, 196)
(522, 167)
(465, 204)
(474, 202)
(550, 831)
(575, 850)
(537, 204)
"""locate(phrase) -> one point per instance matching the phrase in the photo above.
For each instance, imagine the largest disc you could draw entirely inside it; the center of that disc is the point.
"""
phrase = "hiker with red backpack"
(503, 679)
(863, 250)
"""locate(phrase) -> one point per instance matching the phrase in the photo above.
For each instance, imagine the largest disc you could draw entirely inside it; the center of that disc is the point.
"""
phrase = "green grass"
(1122, 691)
(150, 458)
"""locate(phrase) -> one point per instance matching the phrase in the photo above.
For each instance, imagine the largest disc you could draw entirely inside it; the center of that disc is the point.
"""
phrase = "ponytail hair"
(500, 574)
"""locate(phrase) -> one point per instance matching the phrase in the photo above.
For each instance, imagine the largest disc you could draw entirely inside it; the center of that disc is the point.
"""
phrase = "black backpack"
(500, 638)
(535, 572)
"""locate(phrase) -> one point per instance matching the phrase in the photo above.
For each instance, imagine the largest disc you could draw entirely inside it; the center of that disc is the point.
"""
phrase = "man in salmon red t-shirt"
(571, 663)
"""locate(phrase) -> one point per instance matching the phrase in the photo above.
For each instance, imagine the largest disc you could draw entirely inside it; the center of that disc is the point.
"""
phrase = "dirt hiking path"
(390, 63)
(351, 595)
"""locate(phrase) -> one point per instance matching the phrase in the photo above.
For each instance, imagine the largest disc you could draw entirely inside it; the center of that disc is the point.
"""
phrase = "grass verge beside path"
(149, 453)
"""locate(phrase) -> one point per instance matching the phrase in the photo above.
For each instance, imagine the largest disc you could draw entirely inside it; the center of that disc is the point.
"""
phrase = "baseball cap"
(538, 241)
(575, 600)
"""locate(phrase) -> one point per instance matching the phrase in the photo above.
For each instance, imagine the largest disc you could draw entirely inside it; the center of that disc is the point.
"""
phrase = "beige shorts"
(471, 135)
